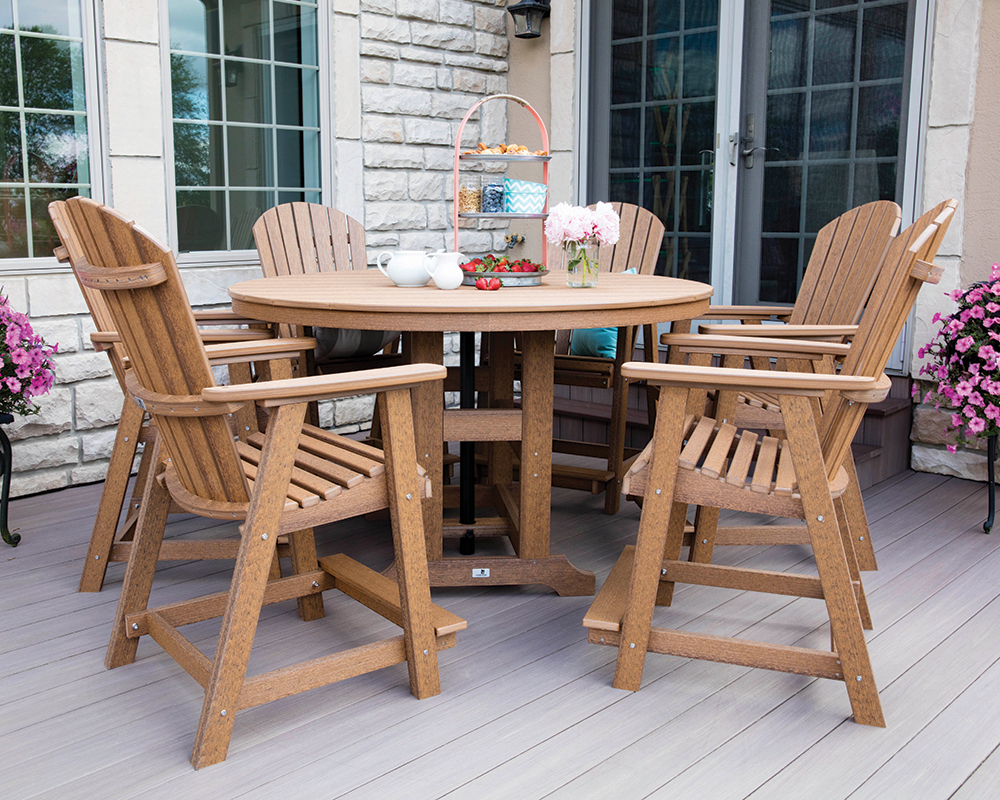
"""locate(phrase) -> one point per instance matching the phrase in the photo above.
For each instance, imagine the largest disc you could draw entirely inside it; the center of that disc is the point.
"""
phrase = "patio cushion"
(333, 343)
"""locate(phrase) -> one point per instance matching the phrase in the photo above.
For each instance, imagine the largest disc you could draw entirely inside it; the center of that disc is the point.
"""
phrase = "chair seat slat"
(715, 461)
(764, 470)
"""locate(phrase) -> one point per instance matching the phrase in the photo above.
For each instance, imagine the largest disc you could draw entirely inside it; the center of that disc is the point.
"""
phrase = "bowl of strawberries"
(492, 272)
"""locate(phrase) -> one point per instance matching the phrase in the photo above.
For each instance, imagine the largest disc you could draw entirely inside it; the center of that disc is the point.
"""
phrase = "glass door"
(824, 99)
(653, 138)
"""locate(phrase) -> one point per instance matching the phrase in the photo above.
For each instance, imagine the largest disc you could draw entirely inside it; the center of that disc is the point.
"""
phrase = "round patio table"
(368, 300)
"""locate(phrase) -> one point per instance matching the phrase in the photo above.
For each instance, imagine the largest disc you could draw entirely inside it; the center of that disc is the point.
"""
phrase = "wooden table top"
(369, 301)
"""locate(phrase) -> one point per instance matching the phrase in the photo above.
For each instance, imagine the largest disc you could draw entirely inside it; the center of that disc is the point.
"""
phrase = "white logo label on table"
(480, 573)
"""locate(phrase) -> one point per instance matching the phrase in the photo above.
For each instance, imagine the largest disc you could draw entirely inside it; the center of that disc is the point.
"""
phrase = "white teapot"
(405, 267)
(446, 272)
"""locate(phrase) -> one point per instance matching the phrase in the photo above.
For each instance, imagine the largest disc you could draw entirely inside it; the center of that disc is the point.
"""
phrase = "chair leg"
(852, 562)
(246, 595)
(657, 511)
(831, 562)
(855, 506)
(706, 523)
(112, 497)
(616, 443)
(141, 563)
(303, 550)
(409, 543)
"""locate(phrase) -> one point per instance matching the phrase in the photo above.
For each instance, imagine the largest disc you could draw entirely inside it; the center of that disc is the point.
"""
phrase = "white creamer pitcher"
(405, 267)
(444, 269)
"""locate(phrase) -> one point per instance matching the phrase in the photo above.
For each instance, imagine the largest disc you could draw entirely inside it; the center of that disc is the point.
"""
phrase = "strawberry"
(494, 284)
(469, 267)
(517, 267)
(502, 267)
(482, 283)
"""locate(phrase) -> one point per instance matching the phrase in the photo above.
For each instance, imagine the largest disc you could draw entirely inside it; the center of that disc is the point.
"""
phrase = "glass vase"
(580, 262)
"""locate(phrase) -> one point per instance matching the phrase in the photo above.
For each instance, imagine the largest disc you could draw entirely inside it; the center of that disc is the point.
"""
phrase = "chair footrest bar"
(729, 650)
(747, 580)
(608, 608)
(381, 594)
(179, 648)
(211, 606)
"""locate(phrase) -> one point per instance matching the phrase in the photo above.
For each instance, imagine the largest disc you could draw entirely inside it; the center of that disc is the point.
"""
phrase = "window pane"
(627, 19)
(661, 136)
(14, 242)
(659, 196)
(786, 124)
(700, 54)
(624, 188)
(6, 14)
(663, 56)
(834, 48)
(827, 195)
(298, 158)
(830, 124)
(201, 221)
(698, 133)
(788, 54)
(196, 83)
(61, 17)
(879, 110)
(43, 234)
(883, 42)
(57, 148)
(248, 91)
(664, 17)
(297, 96)
(194, 25)
(8, 71)
(783, 203)
(295, 34)
(625, 138)
(10, 125)
(250, 156)
(779, 266)
(781, 7)
(694, 258)
(246, 28)
(246, 208)
(52, 74)
(198, 156)
(626, 73)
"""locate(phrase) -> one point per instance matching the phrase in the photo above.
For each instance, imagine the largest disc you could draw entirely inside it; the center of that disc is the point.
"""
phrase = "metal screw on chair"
(861, 538)
(135, 626)
(632, 646)
(97, 558)
(263, 536)
(819, 519)
(859, 677)
(658, 491)
(222, 713)
(315, 584)
(409, 497)
(425, 652)
(662, 572)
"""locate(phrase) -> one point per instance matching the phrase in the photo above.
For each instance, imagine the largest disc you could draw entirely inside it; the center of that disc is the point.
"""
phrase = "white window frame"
(97, 151)
(324, 58)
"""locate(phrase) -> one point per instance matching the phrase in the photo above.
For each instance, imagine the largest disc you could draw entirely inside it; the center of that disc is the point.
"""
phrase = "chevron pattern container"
(523, 197)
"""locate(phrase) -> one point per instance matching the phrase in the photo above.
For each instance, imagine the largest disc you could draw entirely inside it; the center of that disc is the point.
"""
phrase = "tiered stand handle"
(545, 164)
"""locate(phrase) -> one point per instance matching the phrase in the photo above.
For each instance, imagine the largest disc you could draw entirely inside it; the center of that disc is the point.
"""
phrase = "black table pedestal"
(5, 467)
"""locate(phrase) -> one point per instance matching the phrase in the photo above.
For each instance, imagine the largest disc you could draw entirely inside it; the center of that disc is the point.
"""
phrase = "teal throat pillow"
(596, 342)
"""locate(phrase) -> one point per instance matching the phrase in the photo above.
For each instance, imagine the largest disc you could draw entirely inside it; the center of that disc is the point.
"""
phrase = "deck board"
(527, 708)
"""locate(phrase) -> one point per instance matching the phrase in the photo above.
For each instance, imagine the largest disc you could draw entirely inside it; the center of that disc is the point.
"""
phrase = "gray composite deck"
(527, 708)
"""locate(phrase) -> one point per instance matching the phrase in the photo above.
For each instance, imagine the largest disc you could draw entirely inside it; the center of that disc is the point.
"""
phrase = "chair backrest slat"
(882, 322)
(165, 350)
(844, 265)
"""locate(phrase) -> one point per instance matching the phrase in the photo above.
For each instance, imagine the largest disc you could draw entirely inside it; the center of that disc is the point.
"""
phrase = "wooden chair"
(832, 299)
(108, 541)
(638, 248)
(282, 482)
(712, 463)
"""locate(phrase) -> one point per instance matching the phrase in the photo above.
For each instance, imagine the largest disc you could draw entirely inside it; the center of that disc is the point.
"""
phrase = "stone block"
(15, 289)
(426, 186)
(55, 295)
(420, 54)
(131, 20)
(496, 84)
(562, 26)
(930, 424)
(87, 327)
(417, 9)
(376, 241)
(139, 187)
(43, 452)
(419, 240)
(96, 445)
(453, 105)
(955, 62)
(444, 37)
(379, 50)
(390, 100)
(378, 6)
(376, 71)
(385, 185)
(89, 473)
(98, 404)
(353, 410)
(393, 156)
(491, 20)
(444, 79)
(55, 415)
(561, 134)
(493, 124)
(946, 154)
(475, 62)
(349, 170)
(441, 158)
(452, 12)
(209, 286)
(474, 241)
(417, 75)
(349, 430)
(489, 44)
(962, 464)
(72, 368)
(62, 332)
(134, 119)
(437, 218)
(467, 80)
(37, 482)
(346, 7)
(395, 216)
(384, 29)
(380, 128)
(427, 131)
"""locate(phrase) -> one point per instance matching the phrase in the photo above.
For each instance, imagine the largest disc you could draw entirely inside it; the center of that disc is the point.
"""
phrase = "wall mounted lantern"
(528, 16)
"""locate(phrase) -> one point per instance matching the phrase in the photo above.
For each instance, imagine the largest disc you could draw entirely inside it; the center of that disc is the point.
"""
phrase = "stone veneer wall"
(404, 74)
(960, 162)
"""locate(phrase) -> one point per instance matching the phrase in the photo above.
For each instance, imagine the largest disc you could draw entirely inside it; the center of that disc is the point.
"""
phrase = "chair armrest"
(824, 333)
(746, 312)
(104, 340)
(754, 346)
(259, 350)
(224, 316)
(781, 383)
(319, 387)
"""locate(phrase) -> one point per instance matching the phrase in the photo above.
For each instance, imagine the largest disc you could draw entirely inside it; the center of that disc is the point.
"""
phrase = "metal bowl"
(506, 278)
